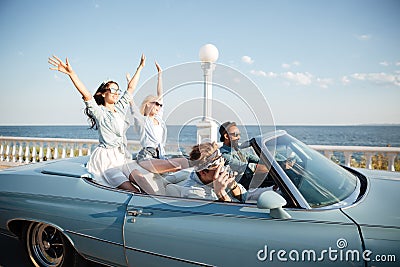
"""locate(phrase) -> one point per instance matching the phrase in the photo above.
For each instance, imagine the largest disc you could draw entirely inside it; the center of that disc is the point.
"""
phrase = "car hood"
(380, 204)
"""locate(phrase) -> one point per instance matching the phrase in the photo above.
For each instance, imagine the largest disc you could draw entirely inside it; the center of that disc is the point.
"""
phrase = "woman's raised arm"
(67, 69)
(159, 82)
(135, 79)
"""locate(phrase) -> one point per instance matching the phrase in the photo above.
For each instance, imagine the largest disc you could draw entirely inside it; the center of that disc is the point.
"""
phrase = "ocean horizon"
(380, 135)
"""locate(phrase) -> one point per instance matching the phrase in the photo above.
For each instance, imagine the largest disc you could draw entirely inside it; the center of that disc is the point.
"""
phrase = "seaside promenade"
(5, 165)
(15, 151)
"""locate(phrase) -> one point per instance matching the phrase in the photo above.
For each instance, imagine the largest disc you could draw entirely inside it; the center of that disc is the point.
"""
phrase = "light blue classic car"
(322, 214)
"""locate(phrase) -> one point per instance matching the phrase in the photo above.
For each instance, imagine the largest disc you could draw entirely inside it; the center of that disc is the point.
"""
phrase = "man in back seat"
(209, 178)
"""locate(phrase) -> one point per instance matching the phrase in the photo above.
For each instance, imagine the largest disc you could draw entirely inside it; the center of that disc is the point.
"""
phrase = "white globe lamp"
(208, 53)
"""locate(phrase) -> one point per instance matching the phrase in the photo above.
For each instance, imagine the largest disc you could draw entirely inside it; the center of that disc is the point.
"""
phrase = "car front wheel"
(47, 246)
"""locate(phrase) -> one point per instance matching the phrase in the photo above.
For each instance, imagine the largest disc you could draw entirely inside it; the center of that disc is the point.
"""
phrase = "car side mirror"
(274, 202)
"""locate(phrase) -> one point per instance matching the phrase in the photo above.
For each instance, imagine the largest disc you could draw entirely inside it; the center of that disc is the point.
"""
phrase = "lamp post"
(207, 128)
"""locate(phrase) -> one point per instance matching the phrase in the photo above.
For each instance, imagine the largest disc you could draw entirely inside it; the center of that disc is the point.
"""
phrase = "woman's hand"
(158, 67)
(141, 65)
(159, 82)
(60, 66)
(128, 77)
(142, 61)
(67, 69)
(132, 82)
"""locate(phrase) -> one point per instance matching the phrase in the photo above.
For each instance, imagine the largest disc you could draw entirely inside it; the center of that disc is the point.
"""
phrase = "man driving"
(237, 159)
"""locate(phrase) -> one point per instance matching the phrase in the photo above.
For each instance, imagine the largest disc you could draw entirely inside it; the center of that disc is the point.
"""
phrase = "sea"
(359, 135)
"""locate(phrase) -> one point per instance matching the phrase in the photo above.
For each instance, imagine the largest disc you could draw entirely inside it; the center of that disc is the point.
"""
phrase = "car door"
(167, 231)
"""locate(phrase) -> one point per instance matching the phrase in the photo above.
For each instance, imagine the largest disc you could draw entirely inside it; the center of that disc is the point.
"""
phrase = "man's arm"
(234, 162)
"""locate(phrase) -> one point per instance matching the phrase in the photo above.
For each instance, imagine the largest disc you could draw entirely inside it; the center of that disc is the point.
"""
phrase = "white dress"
(108, 161)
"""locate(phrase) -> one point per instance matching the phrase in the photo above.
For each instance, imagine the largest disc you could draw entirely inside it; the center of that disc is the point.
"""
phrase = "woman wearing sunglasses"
(153, 134)
(151, 126)
(107, 114)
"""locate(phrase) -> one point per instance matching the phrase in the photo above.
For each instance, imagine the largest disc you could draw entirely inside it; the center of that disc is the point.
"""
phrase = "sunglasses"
(114, 90)
(235, 134)
(157, 103)
(215, 163)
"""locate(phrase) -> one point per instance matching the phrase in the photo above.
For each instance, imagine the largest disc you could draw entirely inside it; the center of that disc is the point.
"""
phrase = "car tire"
(47, 246)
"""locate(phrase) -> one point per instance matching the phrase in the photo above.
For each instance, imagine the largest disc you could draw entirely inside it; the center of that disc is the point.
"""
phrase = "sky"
(312, 62)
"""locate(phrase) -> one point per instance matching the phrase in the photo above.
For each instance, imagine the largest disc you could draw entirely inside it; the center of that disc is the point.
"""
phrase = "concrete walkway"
(6, 165)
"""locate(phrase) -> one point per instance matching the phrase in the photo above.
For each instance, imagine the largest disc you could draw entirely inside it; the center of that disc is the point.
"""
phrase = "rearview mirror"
(274, 202)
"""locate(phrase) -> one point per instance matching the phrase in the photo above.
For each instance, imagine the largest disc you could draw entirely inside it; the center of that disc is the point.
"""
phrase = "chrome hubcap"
(45, 245)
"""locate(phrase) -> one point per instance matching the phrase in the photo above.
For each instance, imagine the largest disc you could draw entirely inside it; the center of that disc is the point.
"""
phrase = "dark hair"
(200, 153)
(98, 97)
(223, 129)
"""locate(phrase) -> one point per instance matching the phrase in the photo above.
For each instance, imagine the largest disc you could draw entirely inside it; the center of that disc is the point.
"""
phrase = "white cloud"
(324, 82)
(364, 37)
(298, 77)
(289, 65)
(345, 80)
(263, 73)
(258, 73)
(379, 78)
(358, 76)
(247, 60)
(308, 79)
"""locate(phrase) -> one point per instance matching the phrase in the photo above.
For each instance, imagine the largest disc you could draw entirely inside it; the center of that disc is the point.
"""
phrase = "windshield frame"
(286, 184)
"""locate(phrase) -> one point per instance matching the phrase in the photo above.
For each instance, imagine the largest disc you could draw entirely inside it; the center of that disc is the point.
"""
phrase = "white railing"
(368, 152)
(27, 150)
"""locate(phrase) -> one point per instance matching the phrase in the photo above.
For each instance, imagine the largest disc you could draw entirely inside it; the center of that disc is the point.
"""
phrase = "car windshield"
(321, 181)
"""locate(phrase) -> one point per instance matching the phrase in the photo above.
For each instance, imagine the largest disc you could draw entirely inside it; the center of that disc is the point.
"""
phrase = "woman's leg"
(116, 178)
(145, 182)
(128, 186)
(143, 178)
(164, 165)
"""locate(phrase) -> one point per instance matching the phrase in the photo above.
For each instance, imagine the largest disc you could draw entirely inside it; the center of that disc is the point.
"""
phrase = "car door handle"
(137, 212)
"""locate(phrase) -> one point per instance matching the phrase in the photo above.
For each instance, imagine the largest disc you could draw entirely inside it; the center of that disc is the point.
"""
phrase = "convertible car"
(321, 214)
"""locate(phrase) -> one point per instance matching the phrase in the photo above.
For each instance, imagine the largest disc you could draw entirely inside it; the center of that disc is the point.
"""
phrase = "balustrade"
(27, 150)
(365, 153)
